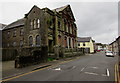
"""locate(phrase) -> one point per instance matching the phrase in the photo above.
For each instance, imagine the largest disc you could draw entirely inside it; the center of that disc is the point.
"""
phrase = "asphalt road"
(93, 67)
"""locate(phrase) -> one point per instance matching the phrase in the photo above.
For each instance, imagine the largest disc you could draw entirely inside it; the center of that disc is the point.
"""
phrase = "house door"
(87, 50)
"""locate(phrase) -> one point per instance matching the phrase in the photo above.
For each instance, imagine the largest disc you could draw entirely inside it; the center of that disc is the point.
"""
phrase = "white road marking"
(95, 67)
(104, 75)
(73, 67)
(91, 73)
(108, 73)
(82, 69)
(58, 69)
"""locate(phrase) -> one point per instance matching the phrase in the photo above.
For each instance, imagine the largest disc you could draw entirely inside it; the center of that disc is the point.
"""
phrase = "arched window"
(37, 40)
(31, 24)
(34, 23)
(38, 23)
(65, 42)
(59, 39)
(21, 43)
(30, 41)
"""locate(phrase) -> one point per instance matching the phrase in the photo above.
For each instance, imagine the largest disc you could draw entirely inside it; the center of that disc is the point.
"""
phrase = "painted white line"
(94, 67)
(58, 69)
(91, 73)
(82, 69)
(108, 73)
(73, 67)
(104, 75)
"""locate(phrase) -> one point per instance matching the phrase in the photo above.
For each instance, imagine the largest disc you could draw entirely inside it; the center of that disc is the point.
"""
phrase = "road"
(93, 67)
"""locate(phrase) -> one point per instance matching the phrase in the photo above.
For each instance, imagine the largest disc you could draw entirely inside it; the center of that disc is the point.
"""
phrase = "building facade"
(40, 32)
(87, 43)
(114, 47)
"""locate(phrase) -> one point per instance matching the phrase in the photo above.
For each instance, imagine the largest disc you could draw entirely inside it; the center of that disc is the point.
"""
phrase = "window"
(65, 42)
(83, 44)
(70, 42)
(59, 39)
(8, 33)
(21, 31)
(38, 23)
(67, 27)
(37, 40)
(30, 41)
(34, 23)
(14, 33)
(59, 24)
(31, 24)
(21, 43)
(8, 44)
(14, 44)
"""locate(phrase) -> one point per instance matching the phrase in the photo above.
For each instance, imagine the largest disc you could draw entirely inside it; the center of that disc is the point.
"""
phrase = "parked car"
(109, 53)
(98, 50)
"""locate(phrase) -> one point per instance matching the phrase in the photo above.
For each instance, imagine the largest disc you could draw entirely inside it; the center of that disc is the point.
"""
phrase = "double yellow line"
(35, 71)
(117, 76)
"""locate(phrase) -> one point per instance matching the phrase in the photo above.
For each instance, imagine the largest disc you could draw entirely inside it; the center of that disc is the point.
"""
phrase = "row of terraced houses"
(115, 48)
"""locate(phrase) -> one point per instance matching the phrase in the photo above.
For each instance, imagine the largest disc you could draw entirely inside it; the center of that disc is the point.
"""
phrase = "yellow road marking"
(117, 77)
(115, 74)
(118, 74)
(35, 71)
(24, 74)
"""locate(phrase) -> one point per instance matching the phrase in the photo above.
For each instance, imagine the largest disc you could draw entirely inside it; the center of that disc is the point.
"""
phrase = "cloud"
(96, 19)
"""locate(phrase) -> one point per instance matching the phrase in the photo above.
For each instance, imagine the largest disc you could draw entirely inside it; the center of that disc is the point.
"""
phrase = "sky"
(96, 19)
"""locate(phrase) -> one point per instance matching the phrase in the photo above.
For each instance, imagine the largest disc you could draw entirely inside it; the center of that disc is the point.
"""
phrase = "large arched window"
(37, 40)
(30, 41)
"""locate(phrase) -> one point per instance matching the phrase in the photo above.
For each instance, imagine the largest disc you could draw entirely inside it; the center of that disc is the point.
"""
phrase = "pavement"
(95, 67)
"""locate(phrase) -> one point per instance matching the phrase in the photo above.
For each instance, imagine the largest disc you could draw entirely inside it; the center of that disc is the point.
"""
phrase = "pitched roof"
(61, 8)
(84, 39)
(16, 23)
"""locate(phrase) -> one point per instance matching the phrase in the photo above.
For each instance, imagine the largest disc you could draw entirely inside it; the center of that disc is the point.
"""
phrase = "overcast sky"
(98, 20)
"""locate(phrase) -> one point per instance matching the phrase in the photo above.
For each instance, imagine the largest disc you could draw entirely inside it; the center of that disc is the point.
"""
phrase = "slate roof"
(16, 23)
(84, 39)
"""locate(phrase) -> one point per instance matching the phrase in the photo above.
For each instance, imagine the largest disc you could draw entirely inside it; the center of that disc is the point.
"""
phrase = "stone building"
(40, 33)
